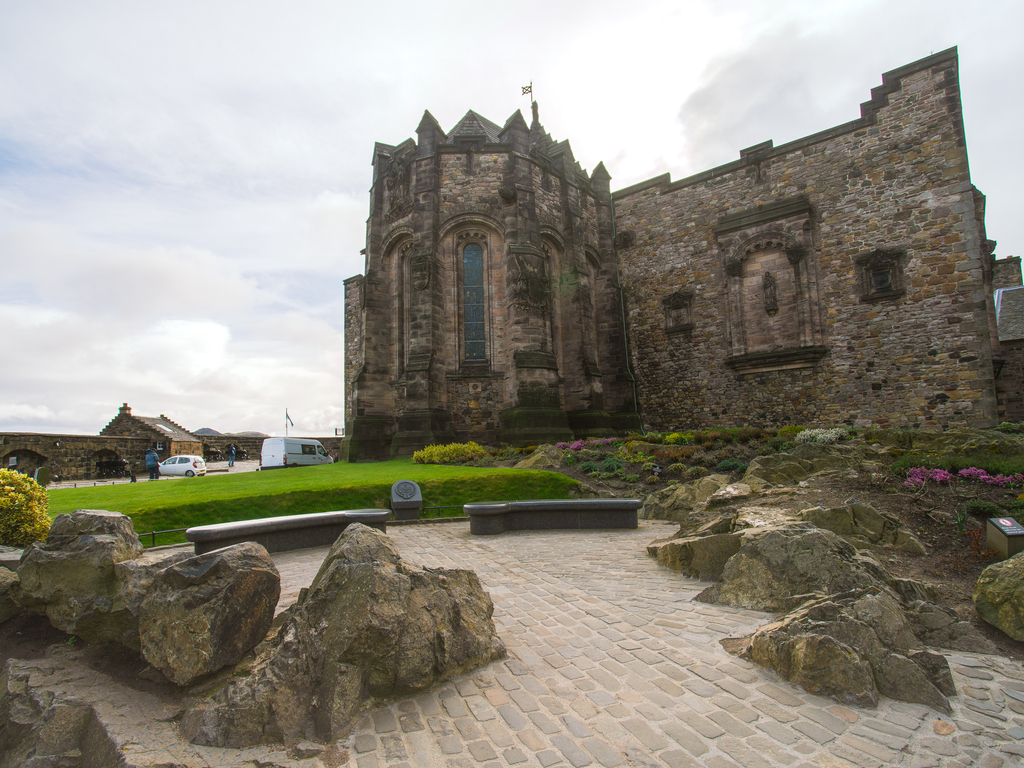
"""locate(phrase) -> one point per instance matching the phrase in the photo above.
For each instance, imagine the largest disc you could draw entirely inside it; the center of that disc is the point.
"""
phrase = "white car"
(189, 466)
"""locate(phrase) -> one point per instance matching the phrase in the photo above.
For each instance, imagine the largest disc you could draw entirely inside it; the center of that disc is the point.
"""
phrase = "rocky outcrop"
(90, 576)
(962, 441)
(678, 502)
(999, 596)
(370, 625)
(940, 627)
(862, 524)
(853, 646)
(544, 457)
(802, 462)
(204, 612)
(10, 588)
(730, 494)
(779, 567)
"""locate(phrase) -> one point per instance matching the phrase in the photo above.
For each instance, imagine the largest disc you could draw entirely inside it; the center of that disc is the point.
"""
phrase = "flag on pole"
(528, 88)
(288, 418)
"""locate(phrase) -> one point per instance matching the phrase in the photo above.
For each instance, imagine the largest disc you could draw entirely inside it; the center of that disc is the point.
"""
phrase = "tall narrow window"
(473, 301)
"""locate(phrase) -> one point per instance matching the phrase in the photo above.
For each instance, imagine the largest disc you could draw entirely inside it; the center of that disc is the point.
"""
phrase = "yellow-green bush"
(23, 504)
(788, 433)
(454, 453)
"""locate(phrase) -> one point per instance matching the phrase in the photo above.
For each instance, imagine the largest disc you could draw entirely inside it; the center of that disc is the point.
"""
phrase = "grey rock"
(678, 502)
(90, 576)
(940, 627)
(857, 520)
(802, 462)
(10, 588)
(999, 596)
(729, 494)
(545, 457)
(370, 625)
(852, 646)
(204, 612)
(777, 566)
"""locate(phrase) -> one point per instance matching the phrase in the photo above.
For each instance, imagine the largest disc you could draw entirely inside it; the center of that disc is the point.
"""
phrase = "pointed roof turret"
(474, 125)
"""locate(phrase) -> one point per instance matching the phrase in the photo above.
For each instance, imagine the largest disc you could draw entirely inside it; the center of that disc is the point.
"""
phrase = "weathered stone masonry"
(872, 235)
(841, 278)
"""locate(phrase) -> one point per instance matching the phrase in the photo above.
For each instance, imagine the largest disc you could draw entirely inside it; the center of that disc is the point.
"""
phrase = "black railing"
(154, 534)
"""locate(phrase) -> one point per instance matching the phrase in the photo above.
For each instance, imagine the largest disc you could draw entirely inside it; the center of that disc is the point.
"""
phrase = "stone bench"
(489, 518)
(279, 534)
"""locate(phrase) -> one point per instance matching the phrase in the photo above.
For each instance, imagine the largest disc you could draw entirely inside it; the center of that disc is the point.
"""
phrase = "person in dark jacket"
(231, 455)
(153, 464)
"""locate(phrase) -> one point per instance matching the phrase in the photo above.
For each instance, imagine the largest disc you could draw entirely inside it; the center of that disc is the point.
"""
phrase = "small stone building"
(169, 439)
(843, 278)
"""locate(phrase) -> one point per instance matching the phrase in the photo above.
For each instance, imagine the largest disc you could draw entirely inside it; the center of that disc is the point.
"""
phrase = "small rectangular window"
(309, 450)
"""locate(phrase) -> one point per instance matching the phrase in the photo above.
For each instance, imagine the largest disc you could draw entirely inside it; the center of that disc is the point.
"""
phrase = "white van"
(280, 452)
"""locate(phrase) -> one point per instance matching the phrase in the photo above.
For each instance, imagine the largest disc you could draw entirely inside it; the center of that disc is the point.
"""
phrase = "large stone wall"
(834, 217)
(71, 457)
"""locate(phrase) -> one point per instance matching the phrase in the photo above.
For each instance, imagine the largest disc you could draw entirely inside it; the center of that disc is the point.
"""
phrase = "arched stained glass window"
(473, 301)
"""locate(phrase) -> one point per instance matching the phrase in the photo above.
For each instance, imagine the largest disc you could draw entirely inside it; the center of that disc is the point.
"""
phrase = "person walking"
(231, 455)
(153, 464)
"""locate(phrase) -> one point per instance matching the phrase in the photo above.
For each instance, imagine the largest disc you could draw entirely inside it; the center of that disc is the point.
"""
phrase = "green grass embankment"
(215, 498)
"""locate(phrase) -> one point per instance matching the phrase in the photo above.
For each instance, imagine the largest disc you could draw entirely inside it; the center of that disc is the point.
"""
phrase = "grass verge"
(195, 501)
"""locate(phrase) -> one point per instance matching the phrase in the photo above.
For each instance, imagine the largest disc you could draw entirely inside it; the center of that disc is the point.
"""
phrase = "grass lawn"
(216, 498)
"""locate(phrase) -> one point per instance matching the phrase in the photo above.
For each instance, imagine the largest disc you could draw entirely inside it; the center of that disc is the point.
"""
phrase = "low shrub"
(590, 467)
(732, 465)
(632, 478)
(676, 469)
(788, 433)
(696, 473)
(611, 464)
(455, 453)
(652, 479)
(23, 504)
(746, 434)
(774, 445)
(982, 508)
(822, 436)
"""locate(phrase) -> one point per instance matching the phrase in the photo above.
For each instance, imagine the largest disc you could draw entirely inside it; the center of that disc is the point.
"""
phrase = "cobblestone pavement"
(611, 663)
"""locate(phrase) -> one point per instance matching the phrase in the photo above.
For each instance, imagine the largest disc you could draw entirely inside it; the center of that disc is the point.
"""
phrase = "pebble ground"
(612, 663)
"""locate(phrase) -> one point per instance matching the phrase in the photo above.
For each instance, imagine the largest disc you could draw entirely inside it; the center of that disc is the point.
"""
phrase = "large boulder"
(803, 461)
(999, 596)
(678, 502)
(90, 576)
(859, 522)
(544, 457)
(203, 613)
(940, 627)
(779, 567)
(370, 625)
(10, 588)
(852, 646)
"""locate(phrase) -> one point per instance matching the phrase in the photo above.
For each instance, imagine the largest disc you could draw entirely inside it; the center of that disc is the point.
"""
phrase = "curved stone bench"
(489, 518)
(279, 534)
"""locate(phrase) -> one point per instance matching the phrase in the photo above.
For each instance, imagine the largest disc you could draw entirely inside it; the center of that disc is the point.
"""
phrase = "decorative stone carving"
(528, 283)
(881, 274)
(678, 312)
(507, 194)
(397, 183)
(771, 297)
(420, 269)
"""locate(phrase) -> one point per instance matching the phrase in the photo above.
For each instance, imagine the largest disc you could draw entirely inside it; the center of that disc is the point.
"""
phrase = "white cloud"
(183, 187)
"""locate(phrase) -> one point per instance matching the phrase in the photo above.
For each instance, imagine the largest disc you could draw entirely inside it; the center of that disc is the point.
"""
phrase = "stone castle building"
(843, 278)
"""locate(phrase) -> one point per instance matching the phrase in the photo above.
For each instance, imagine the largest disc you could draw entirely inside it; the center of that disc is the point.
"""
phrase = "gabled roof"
(473, 124)
(164, 426)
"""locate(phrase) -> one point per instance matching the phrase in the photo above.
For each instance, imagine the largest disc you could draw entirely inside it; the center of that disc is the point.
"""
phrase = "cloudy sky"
(183, 186)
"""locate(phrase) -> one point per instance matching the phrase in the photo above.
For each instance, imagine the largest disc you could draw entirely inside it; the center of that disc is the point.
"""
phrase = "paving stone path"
(611, 663)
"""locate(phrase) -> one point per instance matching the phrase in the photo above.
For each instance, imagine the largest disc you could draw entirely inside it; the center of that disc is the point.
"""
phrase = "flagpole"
(286, 422)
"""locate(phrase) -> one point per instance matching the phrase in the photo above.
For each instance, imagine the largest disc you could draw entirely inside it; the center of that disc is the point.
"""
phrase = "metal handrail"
(153, 534)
